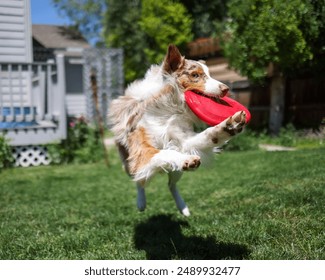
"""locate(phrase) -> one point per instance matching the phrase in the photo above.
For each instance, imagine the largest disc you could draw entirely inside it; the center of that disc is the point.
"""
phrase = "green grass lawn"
(248, 205)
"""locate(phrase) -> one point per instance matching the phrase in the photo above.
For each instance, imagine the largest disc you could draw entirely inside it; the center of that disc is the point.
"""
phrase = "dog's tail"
(123, 117)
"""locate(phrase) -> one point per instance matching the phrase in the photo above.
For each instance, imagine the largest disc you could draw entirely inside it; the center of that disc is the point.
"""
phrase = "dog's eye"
(195, 75)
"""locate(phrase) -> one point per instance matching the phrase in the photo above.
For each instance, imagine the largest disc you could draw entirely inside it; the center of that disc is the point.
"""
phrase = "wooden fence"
(304, 103)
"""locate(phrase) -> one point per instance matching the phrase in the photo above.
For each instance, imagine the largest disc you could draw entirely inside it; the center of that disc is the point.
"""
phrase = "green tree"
(122, 30)
(143, 28)
(86, 15)
(206, 15)
(164, 22)
(272, 37)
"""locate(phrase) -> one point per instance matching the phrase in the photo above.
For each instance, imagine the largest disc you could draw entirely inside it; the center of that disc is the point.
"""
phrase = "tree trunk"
(277, 103)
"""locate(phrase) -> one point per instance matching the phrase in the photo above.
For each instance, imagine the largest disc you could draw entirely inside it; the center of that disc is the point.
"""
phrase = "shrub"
(248, 140)
(288, 137)
(6, 157)
(81, 146)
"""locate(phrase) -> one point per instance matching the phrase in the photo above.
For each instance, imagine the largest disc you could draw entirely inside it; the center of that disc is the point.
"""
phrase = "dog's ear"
(173, 59)
(203, 62)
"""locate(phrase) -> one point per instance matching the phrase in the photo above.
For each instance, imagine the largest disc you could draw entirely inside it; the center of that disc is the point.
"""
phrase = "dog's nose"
(224, 89)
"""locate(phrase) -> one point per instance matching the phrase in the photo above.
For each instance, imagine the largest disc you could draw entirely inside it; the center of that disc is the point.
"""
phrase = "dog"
(154, 128)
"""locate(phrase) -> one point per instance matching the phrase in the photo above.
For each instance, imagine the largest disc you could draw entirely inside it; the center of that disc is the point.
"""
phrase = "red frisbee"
(211, 111)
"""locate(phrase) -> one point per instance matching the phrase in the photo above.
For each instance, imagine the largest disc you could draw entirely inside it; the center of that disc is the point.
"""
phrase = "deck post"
(59, 100)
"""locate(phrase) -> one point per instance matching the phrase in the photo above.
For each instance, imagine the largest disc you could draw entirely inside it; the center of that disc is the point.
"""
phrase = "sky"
(43, 12)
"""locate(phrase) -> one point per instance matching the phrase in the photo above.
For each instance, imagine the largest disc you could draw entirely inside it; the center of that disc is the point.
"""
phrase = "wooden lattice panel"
(26, 156)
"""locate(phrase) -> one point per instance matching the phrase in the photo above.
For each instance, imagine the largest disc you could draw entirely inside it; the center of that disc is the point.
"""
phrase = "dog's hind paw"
(192, 163)
(141, 206)
(186, 212)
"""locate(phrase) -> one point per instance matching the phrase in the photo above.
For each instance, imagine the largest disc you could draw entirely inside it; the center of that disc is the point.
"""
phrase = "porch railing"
(32, 102)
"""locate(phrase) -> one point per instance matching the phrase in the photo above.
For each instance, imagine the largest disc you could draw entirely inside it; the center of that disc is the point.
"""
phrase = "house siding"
(76, 104)
(15, 31)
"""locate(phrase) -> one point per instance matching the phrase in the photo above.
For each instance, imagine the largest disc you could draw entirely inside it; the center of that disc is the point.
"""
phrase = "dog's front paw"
(191, 163)
(234, 124)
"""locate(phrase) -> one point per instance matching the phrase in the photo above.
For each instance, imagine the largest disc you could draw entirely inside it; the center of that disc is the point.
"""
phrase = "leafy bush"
(6, 157)
(248, 140)
(81, 146)
(288, 137)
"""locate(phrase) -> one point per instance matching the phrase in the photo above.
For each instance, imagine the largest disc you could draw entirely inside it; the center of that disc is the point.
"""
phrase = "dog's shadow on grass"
(161, 238)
